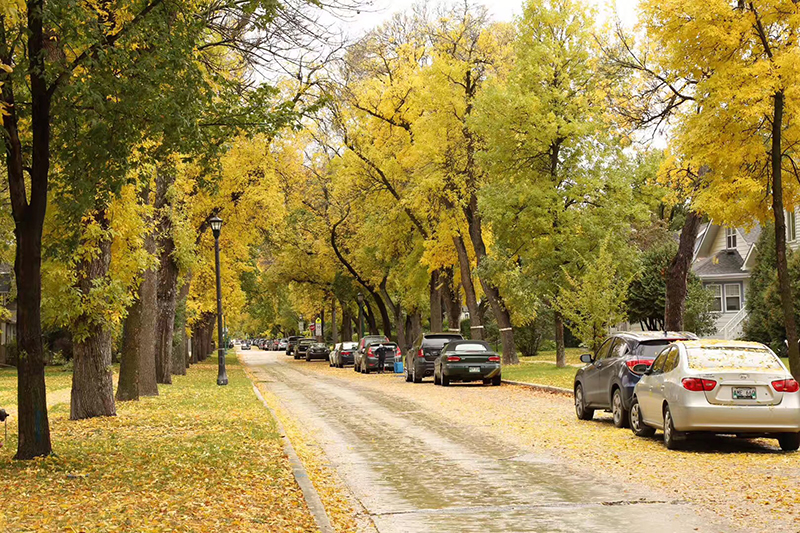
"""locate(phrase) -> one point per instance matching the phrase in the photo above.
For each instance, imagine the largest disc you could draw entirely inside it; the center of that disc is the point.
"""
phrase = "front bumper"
(696, 414)
(461, 371)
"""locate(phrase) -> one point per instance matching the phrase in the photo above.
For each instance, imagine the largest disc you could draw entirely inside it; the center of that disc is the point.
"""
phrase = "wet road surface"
(412, 471)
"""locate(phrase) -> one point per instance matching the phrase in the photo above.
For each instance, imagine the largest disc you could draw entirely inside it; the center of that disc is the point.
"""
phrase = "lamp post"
(360, 316)
(222, 375)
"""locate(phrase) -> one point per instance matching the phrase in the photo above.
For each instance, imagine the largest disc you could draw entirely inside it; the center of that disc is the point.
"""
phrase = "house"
(723, 260)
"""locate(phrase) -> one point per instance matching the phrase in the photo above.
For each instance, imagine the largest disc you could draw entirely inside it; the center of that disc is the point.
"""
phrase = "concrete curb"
(543, 388)
(310, 494)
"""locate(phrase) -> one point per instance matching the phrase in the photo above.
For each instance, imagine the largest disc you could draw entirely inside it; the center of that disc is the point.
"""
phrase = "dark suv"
(302, 346)
(420, 359)
(291, 343)
(607, 380)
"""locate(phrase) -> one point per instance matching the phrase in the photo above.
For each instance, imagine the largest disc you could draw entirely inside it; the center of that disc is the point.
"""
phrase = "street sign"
(318, 328)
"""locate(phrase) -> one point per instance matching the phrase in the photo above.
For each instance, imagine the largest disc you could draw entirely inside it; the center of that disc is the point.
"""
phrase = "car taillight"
(786, 385)
(346, 353)
(494, 358)
(453, 358)
(633, 363)
(420, 353)
(698, 384)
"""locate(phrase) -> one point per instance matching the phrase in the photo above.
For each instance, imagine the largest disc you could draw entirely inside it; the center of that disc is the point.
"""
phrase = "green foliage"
(594, 300)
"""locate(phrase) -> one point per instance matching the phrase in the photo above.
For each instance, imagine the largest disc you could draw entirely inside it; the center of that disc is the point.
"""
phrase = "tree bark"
(29, 212)
(436, 302)
(451, 296)
(334, 331)
(678, 274)
(347, 324)
(167, 278)
(179, 332)
(561, 358)
(465, 268)
(501, 314)
(128, 385)
(92, 383)
(787, 300)
(372, 326)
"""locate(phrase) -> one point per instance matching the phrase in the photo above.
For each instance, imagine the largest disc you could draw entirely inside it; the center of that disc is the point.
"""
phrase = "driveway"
(413, 468)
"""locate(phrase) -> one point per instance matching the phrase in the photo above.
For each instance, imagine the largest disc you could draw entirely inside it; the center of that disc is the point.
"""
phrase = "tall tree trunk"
(372, 325)
(561, 358)
(414, 328)
(29, 212)
(451, 296)
(92, 383)
(787, 301)
(678, 274)
(347, 324)
(465, 268)
(501, 314)
(179, 332)
(436, 302)
(167, 278)
(334, 331)
(128, 385)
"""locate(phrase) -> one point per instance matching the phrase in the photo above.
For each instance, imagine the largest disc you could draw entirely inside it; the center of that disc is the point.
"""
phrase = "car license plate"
(744, 393)
(474, 369)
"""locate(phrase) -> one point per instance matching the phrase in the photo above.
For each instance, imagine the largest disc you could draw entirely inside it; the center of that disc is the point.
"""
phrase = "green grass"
(198, 457)
(55, 378)
(573, 356)
(541, 374)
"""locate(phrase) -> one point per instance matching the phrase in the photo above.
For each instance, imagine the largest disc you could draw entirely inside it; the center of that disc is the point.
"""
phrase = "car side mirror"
(586, 358)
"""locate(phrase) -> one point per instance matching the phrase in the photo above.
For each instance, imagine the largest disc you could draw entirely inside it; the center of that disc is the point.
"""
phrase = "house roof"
(751, 236)
(721, 263)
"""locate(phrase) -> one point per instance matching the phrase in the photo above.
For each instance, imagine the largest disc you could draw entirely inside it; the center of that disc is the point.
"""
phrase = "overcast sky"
(502, 10)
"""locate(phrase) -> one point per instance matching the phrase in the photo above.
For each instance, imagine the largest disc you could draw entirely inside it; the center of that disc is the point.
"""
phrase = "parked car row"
(685, 387)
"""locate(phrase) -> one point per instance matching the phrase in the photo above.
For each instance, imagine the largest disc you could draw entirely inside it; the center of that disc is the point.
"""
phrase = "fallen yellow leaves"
(196, 458)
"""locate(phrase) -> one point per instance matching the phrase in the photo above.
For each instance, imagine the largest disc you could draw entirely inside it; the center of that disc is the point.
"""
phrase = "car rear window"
(349, 345)
(732, 358)
(471, 348)
(439, 342)
(652, 348)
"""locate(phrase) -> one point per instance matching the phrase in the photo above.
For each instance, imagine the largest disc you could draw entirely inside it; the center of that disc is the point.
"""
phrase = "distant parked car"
(729, 387)
(291, 342)
(302, 347)
(467, 361)
(419, 360)
(343, 354)
(362, 347)
(283, 344)
(370, 360)
(607, 380)
(245, 345)
(318, 350)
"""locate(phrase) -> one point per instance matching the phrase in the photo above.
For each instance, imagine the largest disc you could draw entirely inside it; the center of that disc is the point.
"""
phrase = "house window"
(733, 297)
(791, 226)
(716, 293)
(730, 238)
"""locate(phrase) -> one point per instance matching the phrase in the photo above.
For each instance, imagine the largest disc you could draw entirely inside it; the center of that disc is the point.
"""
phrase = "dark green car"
(467, 361)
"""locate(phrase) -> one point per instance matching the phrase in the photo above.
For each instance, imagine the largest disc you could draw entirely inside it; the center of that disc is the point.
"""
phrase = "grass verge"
(541, 374)
(198, 457)
(573, 356)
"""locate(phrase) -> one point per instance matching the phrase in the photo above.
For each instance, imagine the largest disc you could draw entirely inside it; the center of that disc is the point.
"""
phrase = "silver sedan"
(722, 387)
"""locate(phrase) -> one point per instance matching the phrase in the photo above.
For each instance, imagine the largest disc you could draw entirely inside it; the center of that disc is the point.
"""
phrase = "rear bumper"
(317, 355)
(461, 371)
(372, 362)
(347, 359)
(699, 415)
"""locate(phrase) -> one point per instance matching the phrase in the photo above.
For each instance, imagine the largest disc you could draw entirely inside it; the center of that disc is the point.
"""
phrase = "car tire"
(414, 377)
(407, 373)
(639, 428)
(487, 381)
(445, 381)
(497, 380)
(618, 412)
(308, 358)
(789, 442)
(672, 437)
(583, 412)
(436, 379)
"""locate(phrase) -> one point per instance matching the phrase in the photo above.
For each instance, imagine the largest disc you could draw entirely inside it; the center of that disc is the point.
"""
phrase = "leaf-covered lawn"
(549, 356)
(196, 458)
(55, 378)
(541, 374)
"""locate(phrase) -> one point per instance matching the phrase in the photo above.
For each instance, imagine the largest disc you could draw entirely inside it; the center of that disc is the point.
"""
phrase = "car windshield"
(652, 348)
(306, 341)
(732, 358)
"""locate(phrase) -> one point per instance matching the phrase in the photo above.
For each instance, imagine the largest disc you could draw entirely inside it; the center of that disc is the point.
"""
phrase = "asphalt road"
(411, 470)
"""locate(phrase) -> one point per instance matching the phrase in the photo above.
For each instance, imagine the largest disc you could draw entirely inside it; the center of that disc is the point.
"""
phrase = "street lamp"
(222, 375)
(360, 316)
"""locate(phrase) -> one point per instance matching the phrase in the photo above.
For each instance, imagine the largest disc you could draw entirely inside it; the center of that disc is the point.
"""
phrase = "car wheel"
(583, 412)
(308, 358)
(618, 411)
(436, 379)
(639, 428)
(789, 442)
(497, 380)
(414, 377)
(445, 381)
(407, 373)
(366, 368)
(487, 381)
(671, 435)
